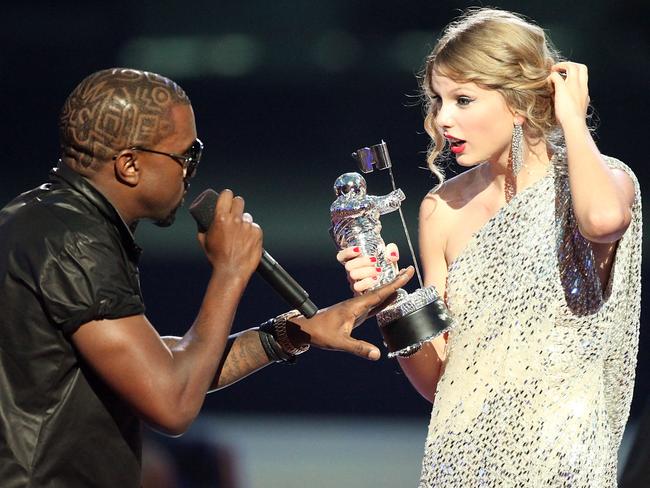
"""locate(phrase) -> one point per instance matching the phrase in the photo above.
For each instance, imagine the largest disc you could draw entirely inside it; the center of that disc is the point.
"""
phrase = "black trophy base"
(405, 335)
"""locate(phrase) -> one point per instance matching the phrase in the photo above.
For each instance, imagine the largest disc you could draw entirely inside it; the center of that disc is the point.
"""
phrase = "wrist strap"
(271, 347)
(273, 350)
(275, 341)
(280, 324)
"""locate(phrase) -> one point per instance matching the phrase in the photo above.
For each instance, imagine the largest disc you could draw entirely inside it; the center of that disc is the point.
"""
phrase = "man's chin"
(167, 221)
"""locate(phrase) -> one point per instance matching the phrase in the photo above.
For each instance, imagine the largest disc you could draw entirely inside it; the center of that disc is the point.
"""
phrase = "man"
(80, 365)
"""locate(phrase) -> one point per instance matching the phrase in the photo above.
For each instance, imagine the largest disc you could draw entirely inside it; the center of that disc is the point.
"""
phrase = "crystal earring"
(517, 149)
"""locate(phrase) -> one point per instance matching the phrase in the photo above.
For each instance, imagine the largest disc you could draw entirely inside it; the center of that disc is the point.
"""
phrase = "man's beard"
(171, 217)
(167, 221)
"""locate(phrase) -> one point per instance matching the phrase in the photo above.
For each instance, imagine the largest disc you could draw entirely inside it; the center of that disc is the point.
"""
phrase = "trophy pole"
(406, 231)
(412, 319)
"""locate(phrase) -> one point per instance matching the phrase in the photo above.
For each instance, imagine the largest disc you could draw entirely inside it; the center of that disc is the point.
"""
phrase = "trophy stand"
(412, 318)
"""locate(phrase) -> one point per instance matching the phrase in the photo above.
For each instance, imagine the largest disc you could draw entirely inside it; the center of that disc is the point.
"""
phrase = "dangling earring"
(517, 149)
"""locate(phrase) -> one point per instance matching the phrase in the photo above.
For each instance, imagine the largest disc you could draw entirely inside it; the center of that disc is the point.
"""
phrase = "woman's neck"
(535, 166)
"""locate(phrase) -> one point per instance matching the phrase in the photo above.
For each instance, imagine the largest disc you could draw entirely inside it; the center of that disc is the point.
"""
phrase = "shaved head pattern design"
(116, 108)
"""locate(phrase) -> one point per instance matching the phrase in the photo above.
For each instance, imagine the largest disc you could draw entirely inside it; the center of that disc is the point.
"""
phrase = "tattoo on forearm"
(245, 356)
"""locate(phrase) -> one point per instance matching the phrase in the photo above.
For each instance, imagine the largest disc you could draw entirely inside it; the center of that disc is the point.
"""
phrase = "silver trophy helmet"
(351, 184)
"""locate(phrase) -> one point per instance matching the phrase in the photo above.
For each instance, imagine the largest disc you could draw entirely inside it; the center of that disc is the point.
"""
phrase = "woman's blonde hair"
(497, 50)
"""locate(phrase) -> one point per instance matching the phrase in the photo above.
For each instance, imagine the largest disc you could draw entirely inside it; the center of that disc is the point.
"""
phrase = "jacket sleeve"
(87, 280)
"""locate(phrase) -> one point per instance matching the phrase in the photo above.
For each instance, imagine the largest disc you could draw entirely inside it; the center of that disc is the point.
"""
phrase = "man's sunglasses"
(189, 160)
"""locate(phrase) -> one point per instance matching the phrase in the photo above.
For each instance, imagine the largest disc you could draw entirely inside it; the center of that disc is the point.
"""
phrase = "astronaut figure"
(355, 220)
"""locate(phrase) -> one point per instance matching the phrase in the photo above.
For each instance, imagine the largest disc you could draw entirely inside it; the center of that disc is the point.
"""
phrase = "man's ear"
(127, 167)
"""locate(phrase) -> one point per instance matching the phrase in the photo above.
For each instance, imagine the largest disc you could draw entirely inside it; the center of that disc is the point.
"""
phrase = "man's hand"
(331, 327)
(233, 243)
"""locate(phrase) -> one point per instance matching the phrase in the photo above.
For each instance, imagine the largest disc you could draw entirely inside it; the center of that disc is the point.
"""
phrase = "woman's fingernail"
(378, 270)
(373, 259)
(393, 253)
(356, 249)
(374, 277)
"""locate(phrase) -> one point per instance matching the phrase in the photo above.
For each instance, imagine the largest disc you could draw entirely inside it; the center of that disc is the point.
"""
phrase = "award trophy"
(412, 318)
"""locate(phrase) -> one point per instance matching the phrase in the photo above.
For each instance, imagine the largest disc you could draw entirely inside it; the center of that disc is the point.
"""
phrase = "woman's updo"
(497, 50)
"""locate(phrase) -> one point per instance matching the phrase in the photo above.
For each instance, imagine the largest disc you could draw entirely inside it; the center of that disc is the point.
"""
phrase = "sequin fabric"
(540, 362)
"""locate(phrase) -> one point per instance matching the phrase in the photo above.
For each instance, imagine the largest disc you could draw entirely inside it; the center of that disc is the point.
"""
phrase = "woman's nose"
(443, 118)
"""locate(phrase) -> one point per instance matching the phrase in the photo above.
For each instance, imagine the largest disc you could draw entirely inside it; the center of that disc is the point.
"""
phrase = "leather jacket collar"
(62, 173)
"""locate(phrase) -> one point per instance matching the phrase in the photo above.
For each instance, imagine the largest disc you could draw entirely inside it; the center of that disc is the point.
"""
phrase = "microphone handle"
(202, 210)
(282, 282)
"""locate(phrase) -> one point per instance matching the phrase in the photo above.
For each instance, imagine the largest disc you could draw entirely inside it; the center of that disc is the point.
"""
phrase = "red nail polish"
(393, 253)
(373, 259)
(378, 269)
(374, 277)
(356, 249)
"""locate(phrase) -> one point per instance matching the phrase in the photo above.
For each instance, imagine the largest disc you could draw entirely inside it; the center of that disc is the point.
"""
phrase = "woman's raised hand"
(571, 98)
(362, 271)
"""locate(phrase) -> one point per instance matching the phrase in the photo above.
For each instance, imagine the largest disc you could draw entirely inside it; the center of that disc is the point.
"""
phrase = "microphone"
(202, 209)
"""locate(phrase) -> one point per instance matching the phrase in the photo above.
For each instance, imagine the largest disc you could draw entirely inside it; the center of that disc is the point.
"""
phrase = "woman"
(536, 248)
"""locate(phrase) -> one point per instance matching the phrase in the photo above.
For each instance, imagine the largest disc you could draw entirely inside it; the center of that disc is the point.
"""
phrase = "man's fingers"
(388, 289)
(375, 297)
(224, 202)
(237, 208)
(362, 349)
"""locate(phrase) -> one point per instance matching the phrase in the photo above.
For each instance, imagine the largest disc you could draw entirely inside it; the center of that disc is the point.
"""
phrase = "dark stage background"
(283, 91)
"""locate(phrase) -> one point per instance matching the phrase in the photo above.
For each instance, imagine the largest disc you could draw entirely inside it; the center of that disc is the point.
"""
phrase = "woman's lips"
(456, 145)
(457, 148)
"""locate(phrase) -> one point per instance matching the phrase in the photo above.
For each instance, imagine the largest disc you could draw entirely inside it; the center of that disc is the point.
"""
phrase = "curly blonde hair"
(498, 50)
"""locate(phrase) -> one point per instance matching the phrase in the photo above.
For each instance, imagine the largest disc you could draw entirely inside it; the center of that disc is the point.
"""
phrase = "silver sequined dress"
(540, 362)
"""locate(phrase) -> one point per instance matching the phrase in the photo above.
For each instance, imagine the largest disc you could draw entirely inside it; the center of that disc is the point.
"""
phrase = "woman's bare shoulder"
(453, 194)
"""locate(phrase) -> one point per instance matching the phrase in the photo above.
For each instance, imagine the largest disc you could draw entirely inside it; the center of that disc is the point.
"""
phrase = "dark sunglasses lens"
(194, 157)
(191, 169)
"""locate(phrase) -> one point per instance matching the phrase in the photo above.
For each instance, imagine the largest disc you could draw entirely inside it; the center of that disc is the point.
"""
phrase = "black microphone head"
(202, 209)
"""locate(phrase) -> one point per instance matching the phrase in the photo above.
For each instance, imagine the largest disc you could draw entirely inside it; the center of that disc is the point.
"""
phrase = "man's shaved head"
(116, 108)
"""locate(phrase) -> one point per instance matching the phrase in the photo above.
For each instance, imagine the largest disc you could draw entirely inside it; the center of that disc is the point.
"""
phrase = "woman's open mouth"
(456, 146)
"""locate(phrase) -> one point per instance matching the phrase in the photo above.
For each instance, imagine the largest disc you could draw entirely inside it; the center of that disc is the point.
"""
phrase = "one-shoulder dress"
(540, 364)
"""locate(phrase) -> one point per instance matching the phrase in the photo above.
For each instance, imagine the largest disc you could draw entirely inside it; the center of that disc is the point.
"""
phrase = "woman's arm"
(602, 197)
(424, 368)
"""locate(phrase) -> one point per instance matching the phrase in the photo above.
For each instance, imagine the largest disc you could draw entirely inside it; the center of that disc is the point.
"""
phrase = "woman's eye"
(464, 100)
